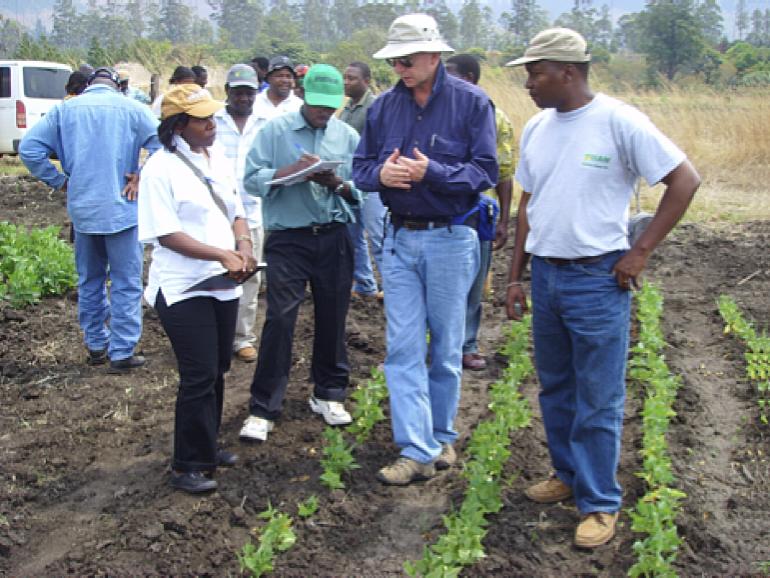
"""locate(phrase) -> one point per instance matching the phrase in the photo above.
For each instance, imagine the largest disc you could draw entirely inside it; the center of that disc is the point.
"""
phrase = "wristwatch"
(339, 188)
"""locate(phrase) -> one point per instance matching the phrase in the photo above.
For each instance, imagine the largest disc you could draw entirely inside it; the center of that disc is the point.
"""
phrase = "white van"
(28, 89)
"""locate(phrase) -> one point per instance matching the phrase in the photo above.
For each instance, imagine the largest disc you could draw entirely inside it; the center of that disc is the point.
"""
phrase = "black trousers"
(201, 331)
(296, 257)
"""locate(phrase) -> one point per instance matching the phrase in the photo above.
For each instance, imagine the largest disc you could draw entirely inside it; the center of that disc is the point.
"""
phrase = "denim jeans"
(426, 277)
(473, 315)
(581, 320)
(369, 220)
(114, 324)
(374, 223)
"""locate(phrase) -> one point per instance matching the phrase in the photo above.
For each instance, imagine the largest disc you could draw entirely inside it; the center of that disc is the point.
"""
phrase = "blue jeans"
(114, 324)
(426, 278)
(370, 220)
(374, 223)
(473, 314)
(581, 320)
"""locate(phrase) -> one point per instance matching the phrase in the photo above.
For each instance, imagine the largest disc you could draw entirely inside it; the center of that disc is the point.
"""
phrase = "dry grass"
(12, 165)
(724, 133)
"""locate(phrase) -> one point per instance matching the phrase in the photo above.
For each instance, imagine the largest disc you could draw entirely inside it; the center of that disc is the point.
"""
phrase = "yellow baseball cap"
(191, 99)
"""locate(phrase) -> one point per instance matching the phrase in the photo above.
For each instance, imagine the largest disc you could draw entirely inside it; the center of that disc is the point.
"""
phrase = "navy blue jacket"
(455, 130)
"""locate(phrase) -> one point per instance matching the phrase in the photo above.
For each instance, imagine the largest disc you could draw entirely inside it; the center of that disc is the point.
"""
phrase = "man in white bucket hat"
(429, 148)
(580, 157)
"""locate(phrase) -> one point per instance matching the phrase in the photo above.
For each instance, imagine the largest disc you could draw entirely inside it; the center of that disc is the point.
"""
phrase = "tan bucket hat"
(557, 45)
(413, 33)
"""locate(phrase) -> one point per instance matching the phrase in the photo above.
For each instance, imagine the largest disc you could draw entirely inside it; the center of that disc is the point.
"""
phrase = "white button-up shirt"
(264, 109)
(236, 146)
(172, 199)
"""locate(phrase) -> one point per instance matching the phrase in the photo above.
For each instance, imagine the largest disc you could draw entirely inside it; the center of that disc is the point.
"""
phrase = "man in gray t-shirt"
(580, 158)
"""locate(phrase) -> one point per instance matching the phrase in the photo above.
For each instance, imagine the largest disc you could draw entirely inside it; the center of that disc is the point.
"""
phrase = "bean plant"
(367, 412)
(655, 512)
(757, 353)
(462, 544)
(34, 264)
(274, 537)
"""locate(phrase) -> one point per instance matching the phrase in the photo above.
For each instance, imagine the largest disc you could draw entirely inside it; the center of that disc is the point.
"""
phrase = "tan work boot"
(447, 459)
(549, 491)
(595, 529)
(404, 471)
(247, 354)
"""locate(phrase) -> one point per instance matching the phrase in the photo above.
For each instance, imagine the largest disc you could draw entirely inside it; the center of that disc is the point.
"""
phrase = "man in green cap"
(307, 242)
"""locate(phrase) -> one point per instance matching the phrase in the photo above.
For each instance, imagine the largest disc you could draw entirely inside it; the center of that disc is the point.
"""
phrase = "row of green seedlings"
(757, 352)
(487, 451)
(337, 452)
(34, 264)
(277, 534)
(655, 512)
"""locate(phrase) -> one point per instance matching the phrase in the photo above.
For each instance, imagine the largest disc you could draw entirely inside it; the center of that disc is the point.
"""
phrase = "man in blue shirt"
(98, 137)
(429, 148)
(307, 242)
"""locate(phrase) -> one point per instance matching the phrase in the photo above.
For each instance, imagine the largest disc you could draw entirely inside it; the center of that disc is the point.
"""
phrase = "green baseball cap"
(323, 86)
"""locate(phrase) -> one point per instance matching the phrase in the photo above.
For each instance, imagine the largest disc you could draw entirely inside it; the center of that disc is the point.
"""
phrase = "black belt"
(420, 224)
(425, 223)
(319, 229)
(558, 262)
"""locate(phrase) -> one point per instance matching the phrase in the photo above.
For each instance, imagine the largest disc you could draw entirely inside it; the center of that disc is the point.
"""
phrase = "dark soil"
(84, 455)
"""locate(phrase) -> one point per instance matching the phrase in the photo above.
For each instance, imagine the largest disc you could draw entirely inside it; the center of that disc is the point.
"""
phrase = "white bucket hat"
(413, 33)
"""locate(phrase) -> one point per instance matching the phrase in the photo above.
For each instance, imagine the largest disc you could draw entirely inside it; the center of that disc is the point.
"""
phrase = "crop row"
(655, 512)
(757, 353)
(277, 534)
(487, 452)
(337, 451)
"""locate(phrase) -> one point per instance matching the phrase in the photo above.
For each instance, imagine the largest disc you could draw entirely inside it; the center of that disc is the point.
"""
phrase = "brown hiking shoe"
(404, 471)
(247, 354)
(595, 529)
(447, 459)
(549, 491)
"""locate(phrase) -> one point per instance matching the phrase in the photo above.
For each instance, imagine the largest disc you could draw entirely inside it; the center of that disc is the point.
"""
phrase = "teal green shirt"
(279, 143)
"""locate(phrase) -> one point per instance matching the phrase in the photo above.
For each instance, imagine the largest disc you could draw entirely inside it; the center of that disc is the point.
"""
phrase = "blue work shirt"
(97, 137)
(455, 130)
(281, 142)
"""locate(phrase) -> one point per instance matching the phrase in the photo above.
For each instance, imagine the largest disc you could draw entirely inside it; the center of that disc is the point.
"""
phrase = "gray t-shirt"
(580, 167)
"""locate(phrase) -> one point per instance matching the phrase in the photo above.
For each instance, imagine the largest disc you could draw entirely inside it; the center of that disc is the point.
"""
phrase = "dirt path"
(84, 455)
(719, 453)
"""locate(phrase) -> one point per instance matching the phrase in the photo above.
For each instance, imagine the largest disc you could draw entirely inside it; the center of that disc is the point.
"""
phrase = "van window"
(45, 82)
(5, 82)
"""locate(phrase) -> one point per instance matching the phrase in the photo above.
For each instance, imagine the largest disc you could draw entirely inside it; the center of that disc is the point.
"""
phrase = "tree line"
(675, 37)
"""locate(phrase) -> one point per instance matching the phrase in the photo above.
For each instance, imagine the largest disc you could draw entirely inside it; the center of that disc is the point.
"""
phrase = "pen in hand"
(302, 152)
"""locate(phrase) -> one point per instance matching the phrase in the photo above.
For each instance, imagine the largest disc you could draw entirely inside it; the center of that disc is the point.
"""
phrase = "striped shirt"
(236, 146)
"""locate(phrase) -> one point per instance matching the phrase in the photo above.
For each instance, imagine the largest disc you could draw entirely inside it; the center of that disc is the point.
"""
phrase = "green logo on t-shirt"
(596, 161)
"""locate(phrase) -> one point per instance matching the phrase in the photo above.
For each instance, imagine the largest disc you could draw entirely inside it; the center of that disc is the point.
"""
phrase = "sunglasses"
(405, 61)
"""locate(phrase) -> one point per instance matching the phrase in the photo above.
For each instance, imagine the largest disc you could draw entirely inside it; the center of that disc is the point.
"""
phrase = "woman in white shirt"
(190, 213)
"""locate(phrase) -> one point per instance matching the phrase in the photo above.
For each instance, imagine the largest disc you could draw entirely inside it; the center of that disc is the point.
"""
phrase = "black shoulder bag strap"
(217, 200)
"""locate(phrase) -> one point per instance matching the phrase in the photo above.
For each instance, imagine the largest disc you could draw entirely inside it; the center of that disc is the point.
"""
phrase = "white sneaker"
(256, 429)
(334, 412)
